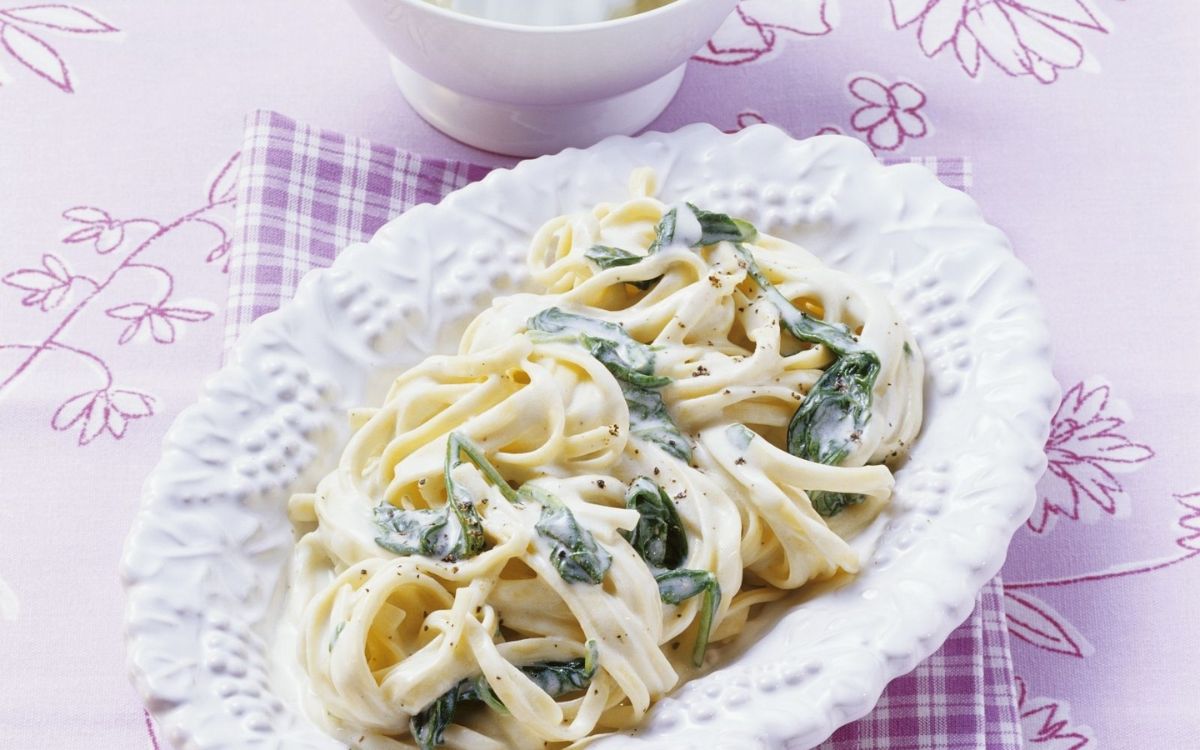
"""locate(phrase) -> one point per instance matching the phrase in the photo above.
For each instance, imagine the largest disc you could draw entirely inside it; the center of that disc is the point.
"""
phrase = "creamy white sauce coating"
(376, 637)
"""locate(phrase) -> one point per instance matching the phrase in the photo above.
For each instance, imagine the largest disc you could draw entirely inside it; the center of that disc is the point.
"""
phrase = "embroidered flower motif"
(1022, 37)
(18, 38)
(100, 411)
(890, 113)
(745, 119)
(1047, 723)
(47, 286)
(1037, 623)
(1086, 446)
(757, 28)
(105, 233)
(158, 318)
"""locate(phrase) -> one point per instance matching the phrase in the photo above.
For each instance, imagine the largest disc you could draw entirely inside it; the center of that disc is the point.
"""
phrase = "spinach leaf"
(659, 536)
(433, 533)
(664, 233)
(632, 364)
(650, 421)
(715, 227)
(450, 533)
(739, 435)
(616, 357)
(557, 678)
(461, 502)
(831, 503)
(674, 586)
(575, 554)
(428, 726)
(606, 257)
(800, 324)
(625, 357)
(562, 677)
(836, 410)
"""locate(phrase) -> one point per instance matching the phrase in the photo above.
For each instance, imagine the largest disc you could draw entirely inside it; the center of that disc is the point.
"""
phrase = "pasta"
(532, 540)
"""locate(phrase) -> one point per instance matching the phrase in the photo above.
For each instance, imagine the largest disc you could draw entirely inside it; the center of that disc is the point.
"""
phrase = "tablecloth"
(117, 125)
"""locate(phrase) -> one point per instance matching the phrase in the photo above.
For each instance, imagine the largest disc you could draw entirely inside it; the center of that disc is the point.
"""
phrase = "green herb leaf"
(800, 324)
(562, 677)
(460, 501)
(632, 364)
(659, 536)
(625, 357)
(336, 632)
(831, 503)
(556, 678)
(664, 233)
(617, 356)
(606, 257)
(677, 585)
(739, 435)
(433, 533)
(835, 411)
(428, 726)
(715, 227)
(650, 421)
(831, 420)
(575, 553)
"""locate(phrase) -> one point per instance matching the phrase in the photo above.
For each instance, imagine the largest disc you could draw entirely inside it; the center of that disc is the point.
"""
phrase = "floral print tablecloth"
(119, 122)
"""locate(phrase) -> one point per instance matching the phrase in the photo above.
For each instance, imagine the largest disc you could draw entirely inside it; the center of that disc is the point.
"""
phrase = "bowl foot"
(534, 129)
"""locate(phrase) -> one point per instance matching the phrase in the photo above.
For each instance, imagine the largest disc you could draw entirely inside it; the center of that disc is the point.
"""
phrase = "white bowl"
(532, 90)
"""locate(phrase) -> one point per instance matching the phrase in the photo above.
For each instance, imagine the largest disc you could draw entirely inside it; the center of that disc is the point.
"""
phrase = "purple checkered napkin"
(304, 193)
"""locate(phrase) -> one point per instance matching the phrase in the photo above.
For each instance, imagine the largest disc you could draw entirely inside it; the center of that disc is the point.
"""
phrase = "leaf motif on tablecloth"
(158, 319)
(889, 113)
(757, 28)
(1020, 37)
(1038, 624)
(103, 408)
(17, 36)
(1046, 723)
(1086, 449)
(224, 185)
(60, 17)
(105, 233)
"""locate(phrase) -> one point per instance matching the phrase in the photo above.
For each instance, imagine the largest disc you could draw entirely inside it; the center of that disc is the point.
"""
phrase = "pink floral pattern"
(1087, 447)
(105, 410)
(52, 287)
(890, 114)
(757, 29)
(158, 320)
(48, 286)
(1046, 723)
(1038, 624)
(1021, 37)
(21, 30)
(105, 233)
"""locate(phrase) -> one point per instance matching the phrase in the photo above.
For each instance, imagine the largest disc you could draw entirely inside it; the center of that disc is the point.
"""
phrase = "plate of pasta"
(685, 439)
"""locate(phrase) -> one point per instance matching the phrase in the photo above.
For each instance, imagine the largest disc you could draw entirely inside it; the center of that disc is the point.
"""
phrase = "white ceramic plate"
(205, 566)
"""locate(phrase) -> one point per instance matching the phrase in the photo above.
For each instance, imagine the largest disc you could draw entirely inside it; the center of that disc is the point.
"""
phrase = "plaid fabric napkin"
(305, 193)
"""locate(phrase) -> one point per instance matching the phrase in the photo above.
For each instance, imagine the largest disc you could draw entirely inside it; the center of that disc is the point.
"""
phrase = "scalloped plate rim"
(921, 646)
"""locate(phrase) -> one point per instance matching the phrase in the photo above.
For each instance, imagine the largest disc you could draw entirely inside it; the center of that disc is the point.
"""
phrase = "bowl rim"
(453, 16)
